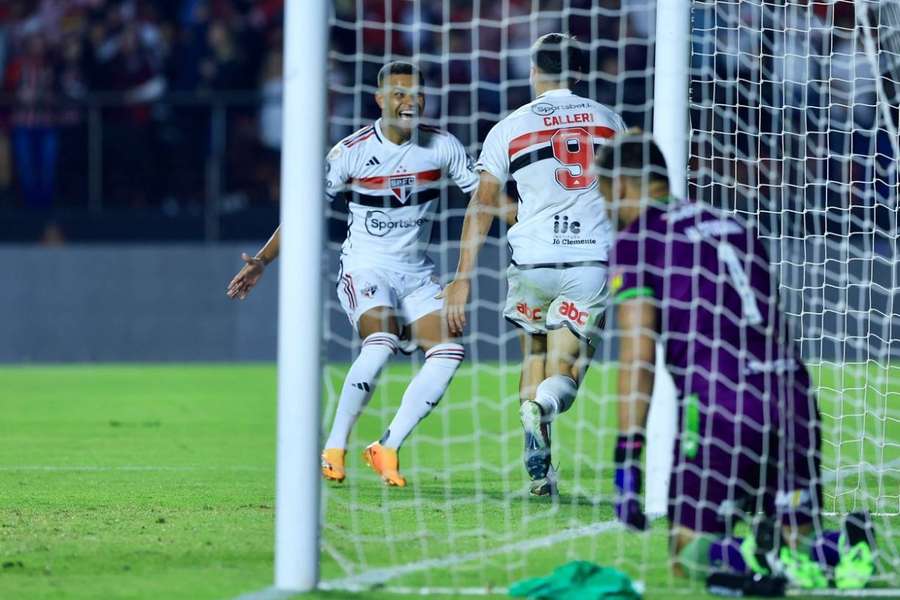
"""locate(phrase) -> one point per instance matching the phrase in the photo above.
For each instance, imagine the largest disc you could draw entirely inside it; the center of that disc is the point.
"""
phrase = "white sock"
(359, 384)
(555, 395)
(424, 392)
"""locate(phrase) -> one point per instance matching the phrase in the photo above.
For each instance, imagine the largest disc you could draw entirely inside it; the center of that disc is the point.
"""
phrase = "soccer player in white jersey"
(390, 173)
(560, 242)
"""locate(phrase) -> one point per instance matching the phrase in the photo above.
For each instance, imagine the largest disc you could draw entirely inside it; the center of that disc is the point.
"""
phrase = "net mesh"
(793, 115)
(794, 122)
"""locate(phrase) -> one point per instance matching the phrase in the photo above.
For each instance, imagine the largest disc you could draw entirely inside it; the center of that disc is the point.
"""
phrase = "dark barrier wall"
(132, 303)
(167, 303)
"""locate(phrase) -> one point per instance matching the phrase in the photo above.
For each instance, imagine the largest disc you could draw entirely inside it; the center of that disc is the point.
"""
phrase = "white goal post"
(670, 129)
(297, 483)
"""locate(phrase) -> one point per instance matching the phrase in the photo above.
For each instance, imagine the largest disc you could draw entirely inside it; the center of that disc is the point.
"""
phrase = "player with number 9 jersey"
(562, 236)
(560, 242)
(547, 147)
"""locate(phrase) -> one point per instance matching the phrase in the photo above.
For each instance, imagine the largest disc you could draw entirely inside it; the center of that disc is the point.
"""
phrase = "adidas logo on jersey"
(373, 162)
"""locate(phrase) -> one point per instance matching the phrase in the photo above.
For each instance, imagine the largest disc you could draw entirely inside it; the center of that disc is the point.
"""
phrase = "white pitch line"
(110, 468)
(501, 591)
(419, 592)
(379, 576)
(833, 593)
(269, 593)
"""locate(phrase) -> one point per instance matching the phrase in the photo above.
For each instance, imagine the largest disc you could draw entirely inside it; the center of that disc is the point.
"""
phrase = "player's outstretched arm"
(636, 320)
(483, 207)
(254, 267)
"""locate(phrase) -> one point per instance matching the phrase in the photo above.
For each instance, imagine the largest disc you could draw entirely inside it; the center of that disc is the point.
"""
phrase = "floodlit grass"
(152, 481)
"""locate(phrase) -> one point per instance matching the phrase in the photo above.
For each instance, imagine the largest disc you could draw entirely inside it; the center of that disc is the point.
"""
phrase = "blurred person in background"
(270, 119)
(6, 21)
(132, 67)
(32, 82)
(73, 133)
(270, 114)
(222, 68)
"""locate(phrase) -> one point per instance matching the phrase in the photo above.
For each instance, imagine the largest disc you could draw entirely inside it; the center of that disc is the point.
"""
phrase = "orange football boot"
(333, 464)
(385, 462)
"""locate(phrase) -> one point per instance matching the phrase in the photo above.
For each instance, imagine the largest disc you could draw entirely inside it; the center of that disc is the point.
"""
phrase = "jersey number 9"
(573, 148)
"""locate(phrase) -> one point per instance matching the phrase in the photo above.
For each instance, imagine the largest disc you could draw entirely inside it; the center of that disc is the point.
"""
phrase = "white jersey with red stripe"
(547, 147)
(392, 191)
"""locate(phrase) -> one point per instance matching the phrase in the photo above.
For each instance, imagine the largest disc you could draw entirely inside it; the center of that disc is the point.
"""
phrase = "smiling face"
(401, 100)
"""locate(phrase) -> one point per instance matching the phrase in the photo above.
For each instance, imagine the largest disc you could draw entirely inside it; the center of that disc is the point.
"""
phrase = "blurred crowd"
(789, 116)
(476, 55)
(141, 76)
(176, 103)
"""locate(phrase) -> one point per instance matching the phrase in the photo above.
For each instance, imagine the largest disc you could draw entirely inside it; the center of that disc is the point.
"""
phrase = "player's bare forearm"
(475, 227)
(270, 250)
(637, 358)
(480, 214)
(509, 210)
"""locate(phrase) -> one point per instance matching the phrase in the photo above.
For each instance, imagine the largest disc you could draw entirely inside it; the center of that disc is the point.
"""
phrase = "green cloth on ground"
(578, 580)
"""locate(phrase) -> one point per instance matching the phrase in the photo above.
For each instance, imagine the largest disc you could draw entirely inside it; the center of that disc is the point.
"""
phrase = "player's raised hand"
(246, 278)
(456, 296)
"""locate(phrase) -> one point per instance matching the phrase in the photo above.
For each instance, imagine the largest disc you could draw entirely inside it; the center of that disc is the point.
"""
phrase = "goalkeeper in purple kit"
(749, 435)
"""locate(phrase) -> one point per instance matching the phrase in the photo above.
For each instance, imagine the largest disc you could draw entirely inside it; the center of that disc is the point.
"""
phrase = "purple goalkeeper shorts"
(722, 483)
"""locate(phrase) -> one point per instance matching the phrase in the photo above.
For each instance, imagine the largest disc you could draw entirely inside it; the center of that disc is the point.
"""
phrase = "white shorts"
(543, 299)
(412, 296)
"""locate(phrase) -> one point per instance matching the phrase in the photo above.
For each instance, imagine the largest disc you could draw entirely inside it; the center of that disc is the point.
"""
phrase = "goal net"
(793, 122)
(794, 114)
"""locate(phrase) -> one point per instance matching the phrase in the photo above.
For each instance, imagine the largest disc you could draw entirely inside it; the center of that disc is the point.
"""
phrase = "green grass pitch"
(152, 481)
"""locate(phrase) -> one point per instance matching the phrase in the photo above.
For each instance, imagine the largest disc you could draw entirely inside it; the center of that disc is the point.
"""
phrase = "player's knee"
(378, 320)
(560, 367)
(430, 331)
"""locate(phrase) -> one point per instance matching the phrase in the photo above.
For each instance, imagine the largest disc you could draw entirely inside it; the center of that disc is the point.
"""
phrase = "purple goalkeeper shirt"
(726, 344)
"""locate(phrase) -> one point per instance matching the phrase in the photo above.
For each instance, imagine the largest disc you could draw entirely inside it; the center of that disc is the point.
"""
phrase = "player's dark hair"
(558, 54)
(633, 155)
(399, 67)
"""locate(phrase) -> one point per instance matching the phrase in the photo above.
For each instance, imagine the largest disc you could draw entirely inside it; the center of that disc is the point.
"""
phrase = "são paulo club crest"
(401, 186)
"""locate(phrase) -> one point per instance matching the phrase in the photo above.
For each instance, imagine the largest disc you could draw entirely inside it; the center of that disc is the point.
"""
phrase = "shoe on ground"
(855, 546)
(801, 570)
(385, 462)
(333, 464)
(545, 486)
(537, 440)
